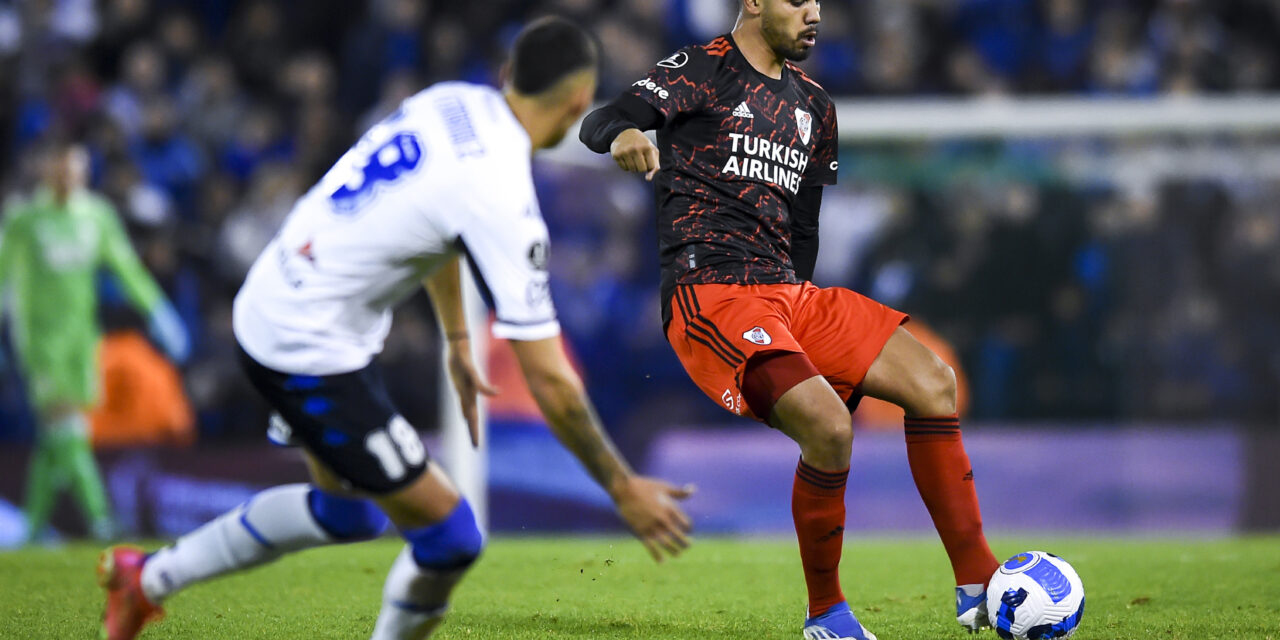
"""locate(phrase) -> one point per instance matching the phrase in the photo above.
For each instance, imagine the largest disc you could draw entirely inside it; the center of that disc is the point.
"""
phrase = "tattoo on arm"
(578, 427)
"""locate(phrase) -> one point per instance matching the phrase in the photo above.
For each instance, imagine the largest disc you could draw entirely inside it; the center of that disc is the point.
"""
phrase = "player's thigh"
(353, 435)
(910, 375)
(324, 478)
(843, 332)
(61, 382)
(716, 330)
(427, 500)
(814, 415)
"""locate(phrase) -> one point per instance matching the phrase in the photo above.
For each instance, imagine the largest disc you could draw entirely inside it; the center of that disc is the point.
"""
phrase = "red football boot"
(128, 610)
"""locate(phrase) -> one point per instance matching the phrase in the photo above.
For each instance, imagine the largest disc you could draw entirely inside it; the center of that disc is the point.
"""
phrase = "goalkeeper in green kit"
(51, 248)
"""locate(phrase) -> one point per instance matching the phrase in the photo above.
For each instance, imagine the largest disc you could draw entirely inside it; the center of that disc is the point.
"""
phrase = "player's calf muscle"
(428, 500)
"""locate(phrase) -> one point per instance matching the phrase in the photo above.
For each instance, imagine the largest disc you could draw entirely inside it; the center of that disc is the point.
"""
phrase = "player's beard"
(783, 44)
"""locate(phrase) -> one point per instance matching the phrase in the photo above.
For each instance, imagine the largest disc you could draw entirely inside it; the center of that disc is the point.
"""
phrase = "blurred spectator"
(386, 42)
(180, 39)
(123, 23)
(398, 86)
(211, 101)
(1062, 56)
(166, 157)
(259, 138)
(247, 229)
(258, 44)
(142, 79)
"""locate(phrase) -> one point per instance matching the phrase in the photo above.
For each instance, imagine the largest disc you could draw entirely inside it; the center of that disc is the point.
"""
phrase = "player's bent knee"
(939, 391)
(346, 519)
(827, 443)
(835, 432)
(453, 543)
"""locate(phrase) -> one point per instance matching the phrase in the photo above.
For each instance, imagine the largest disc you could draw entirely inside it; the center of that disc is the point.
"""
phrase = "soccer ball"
(1035, 595)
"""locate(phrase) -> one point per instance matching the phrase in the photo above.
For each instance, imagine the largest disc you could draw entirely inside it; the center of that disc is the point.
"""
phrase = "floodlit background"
(1107, 282)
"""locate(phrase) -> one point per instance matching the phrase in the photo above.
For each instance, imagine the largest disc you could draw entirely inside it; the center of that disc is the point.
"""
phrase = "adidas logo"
(831, 534)
(742, 111)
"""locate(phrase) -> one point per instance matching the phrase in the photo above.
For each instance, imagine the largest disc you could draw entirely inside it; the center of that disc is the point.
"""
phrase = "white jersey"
(447, 173)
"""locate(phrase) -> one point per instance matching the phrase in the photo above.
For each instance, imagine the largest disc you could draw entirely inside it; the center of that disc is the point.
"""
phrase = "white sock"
(414, 599)
(271, 524)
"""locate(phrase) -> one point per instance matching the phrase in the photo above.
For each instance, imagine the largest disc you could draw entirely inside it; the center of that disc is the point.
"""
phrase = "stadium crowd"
(205, 119)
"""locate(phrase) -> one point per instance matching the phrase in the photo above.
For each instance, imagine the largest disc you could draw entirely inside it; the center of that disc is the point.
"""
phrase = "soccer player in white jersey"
(447, 174)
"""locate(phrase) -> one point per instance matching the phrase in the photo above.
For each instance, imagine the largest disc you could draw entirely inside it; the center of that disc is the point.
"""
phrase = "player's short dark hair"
(548, 50)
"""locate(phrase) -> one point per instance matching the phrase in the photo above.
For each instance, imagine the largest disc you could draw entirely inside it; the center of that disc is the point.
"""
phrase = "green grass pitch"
(608, 588)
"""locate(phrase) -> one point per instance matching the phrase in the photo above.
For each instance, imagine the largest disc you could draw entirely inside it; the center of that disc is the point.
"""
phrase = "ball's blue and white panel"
(1021, 562)
(1050, 578)
(1035, 595)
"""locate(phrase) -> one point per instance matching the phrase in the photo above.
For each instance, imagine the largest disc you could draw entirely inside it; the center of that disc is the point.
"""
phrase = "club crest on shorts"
(758, 336)
(805, 122)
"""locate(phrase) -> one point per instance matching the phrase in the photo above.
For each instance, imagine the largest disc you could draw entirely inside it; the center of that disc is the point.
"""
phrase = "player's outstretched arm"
(163, 321)
(444, 287)
(647, 505)
(618, 128)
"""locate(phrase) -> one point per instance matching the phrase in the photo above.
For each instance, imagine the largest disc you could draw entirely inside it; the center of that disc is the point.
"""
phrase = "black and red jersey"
(736, 146)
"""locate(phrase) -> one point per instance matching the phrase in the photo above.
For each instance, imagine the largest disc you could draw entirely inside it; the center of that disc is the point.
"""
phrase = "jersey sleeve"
(508, 249)
(680, 83)
(825, 164)
(124, 263)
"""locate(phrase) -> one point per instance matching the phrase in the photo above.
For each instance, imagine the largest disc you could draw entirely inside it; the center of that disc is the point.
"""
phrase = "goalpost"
(1150, 122)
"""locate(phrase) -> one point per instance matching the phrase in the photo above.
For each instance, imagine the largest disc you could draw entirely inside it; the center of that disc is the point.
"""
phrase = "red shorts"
(716, 328)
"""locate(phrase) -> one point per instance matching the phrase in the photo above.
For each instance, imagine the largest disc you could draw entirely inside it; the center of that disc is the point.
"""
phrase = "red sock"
(817, 505)
(945, 479)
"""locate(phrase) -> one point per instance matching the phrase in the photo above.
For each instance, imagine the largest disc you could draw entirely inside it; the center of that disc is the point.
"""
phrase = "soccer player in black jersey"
(746, 142)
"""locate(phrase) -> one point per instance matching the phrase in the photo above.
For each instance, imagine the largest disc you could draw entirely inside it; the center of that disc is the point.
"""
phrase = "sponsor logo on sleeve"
(539, 255)
(677, 60)
(650, 85)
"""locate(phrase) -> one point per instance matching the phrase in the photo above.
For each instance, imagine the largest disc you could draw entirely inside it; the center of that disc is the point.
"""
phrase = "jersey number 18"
(397, 448)
(391, 161)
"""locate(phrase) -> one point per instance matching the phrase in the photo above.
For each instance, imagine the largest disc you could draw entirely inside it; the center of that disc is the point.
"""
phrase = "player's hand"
(167, 328)
(649, 508)
(468, 383)
(633, 151)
